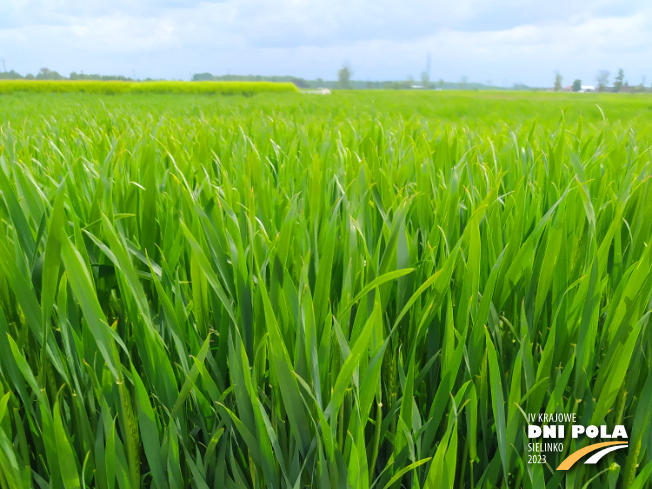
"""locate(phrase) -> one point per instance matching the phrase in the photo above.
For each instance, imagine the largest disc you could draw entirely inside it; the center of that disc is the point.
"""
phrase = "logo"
(605, 448)
(553, 432)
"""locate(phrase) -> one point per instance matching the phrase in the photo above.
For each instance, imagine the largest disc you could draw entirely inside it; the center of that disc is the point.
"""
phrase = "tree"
(202, 77)
(577, 85)
(344, 76)
(603, 80)
(463, 83)
(558, 79)
(618, 81)
(10, 75)
(425, 79)
(46, 74)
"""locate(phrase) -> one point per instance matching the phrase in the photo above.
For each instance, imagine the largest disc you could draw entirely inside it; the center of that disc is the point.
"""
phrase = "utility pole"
(4, 69)
(428, 64)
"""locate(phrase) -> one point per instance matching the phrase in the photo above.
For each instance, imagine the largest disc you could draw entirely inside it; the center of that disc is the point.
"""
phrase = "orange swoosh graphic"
(575, 456)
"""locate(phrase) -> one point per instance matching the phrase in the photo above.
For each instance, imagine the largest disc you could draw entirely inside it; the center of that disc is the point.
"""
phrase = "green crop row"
(119, 87)
(271, 295)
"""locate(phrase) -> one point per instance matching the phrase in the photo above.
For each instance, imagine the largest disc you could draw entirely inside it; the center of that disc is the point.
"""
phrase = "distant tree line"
(299, 82)
(47, 74)
(620, 84)
(82, 76)
(345, 81)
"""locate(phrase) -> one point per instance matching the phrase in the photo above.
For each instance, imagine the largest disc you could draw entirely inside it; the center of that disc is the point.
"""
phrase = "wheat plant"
(291, 293)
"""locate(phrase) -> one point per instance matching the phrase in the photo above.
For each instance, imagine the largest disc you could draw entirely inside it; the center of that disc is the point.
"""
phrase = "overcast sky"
(502, 41)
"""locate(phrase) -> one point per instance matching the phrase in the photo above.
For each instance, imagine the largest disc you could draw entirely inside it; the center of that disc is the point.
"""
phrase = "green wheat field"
(281, 290)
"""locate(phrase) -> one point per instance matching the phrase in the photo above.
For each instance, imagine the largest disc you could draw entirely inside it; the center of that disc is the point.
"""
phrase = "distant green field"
(121, 87)
(469, 108)
(367, 289)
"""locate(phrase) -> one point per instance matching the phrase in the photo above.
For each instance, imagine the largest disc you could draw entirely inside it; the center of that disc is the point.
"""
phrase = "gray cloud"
(500, 40)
